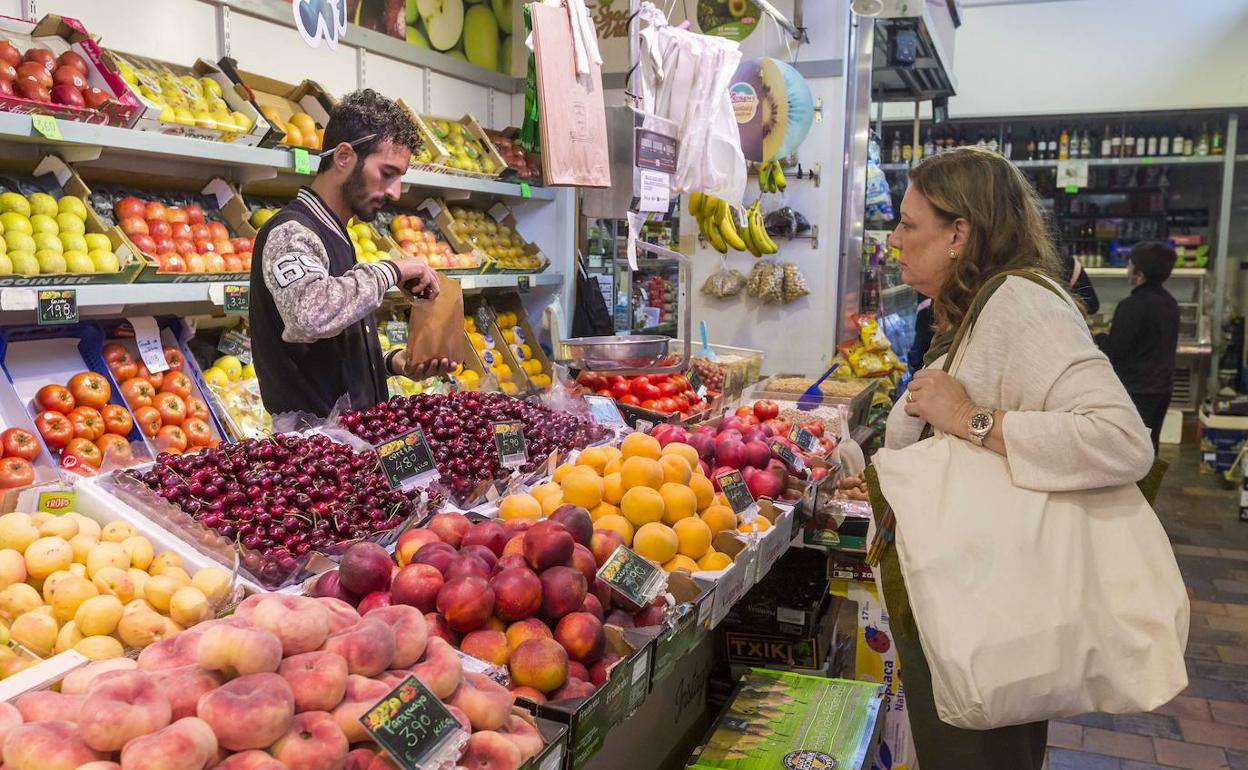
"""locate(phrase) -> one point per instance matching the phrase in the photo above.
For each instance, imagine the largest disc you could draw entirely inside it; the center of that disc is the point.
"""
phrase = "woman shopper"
(1031, 386)
(1143, 338)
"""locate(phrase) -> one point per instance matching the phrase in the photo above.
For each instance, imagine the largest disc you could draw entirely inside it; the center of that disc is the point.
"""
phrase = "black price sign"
(637, 579)
(807, 441)
(56, 306)
(522, 284)
(786, 454)
(509, 440)
(396, 332)
(484, 318)
(732, 483)
(236, 297)
(695, 382)
(410, 724)
(405, 458)
(604, 411)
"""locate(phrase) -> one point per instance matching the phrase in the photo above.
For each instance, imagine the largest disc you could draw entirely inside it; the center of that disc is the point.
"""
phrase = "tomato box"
(178, 100)
(53, 177)
(61, 34)
(278, 102)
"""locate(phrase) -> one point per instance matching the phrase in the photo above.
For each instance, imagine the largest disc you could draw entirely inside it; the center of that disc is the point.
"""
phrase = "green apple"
(42, 203)
(105, 261)
(11, 201)
(481, 37)
(415, 36)
(98, 241)
(50, 262)
(457, 54)
(24, 263)
(72, 204)
(79, 262)
(48, 242)
(16, 240)
(15, 222)
(413, 13)
(69, 223)
(42, 223)
(444, 21)
(6, 265)
(73, 242)
(502, 12)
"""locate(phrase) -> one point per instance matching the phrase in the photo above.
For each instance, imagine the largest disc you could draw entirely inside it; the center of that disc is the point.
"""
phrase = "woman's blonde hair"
(1007, 227)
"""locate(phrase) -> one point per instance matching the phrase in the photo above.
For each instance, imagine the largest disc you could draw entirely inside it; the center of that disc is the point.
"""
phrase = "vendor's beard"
(362, 206)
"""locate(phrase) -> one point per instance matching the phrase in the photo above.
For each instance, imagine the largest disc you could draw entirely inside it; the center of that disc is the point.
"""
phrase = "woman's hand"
(940, 400)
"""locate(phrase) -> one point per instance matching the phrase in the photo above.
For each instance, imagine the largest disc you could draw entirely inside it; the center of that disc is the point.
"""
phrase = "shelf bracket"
(79, 153)
(246, 176)
(818, 109)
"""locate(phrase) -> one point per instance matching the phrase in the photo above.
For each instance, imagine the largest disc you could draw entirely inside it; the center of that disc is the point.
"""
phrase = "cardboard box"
(773, 543)
(508, 301)
(473, 305)
(437, 210)
(278, 100)
(806, 645)
(61, 34)
(838, 523)
(433, 155)
(54, 177)
(695, 600)
(428, 125)
(148, 118)
(500, 213)
(555, 735)
(732, 582)
(428, 227)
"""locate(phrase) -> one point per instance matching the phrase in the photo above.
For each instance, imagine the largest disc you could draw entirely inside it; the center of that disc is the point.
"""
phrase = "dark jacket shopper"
(1143, 338)
(313, 335)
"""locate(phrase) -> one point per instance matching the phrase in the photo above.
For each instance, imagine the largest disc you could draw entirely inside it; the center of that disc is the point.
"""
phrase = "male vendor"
(313, 332)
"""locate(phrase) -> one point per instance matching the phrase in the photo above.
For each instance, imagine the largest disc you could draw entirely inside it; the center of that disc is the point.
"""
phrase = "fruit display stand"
(197, 102)
(460, 146)
(59, 191)
(280, 102)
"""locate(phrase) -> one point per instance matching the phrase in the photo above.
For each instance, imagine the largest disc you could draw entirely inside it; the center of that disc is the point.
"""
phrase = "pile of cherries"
(458, 429)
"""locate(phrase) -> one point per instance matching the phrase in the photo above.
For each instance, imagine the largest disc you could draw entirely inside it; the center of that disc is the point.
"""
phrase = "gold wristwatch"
(980, 425)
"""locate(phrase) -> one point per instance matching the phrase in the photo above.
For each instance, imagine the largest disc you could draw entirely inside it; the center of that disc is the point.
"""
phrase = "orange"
(714, 560)
(680, 561)
(656, 542)
(294, 137)
(679, 502)
(694, 537)
(603, 509)
(641, 472)
(703, 490)
(683, 450)
(617, 524)
(719, 518)
(583, 489)
(612, 488)
(519, 507)
(613, 466)
(641, 445)
(642, 505)
(675, 469)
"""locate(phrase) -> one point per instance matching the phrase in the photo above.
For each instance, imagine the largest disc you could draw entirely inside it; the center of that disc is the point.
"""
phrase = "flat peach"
(121, 707)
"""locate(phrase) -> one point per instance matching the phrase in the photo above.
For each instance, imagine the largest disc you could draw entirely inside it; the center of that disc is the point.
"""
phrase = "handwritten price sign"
(406, 458)
(410, 723)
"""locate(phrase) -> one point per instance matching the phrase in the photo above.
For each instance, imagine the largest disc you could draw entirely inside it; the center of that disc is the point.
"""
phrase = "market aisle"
(1206, 728)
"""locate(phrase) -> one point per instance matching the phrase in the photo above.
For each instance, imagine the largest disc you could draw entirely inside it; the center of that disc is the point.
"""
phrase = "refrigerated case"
(642, 301)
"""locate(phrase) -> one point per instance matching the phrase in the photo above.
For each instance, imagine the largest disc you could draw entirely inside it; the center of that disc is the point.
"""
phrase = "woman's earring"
(952, 254)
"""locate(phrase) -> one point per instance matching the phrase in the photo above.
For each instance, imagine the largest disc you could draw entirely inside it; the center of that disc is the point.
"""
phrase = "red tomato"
(87, 423)
(55, 429)
(148, 420)
(123, 368)
(604, 392)
(665, 405)
(117, 420)
(766, 410)
(55, 398)
(138, 392)
(84, 451)
(650, 404)
(176, 383)
(679, 381)
(614, 379)
(682, 403)
(19, 443)
(114, 351)
(171, 438)
(16, 472)
(174, 357)
(115, 448)
(667, 389)
(744, 410)
(621, 389)
(195, 407)
(630, 399)
(197, 431)
(157, 379)
(645, 391)
(90, 389)
(171, 407)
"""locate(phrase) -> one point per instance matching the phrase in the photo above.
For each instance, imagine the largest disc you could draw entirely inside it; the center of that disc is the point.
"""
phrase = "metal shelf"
(1119, 272)
(1161, 160)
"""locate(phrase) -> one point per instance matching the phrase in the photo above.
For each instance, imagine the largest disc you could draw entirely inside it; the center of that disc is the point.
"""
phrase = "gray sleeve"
(313, 304)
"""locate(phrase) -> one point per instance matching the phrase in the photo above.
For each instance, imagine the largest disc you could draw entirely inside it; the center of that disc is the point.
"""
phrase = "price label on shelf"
(147, 336)
(805, 440)
(406, 459)
(509, 441)
(732, 483)
(525, 192)
(695, 382)
(522, 284)
(46, 125)
(786, 454)
(604, 411)
(56, 306)
(303, 164)
(430, 205)
(1072, 173)
(236, 298)
(413, 726)
(636, 579)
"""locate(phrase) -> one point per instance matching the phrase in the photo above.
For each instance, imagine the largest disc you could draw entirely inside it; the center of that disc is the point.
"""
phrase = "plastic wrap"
(724, 283)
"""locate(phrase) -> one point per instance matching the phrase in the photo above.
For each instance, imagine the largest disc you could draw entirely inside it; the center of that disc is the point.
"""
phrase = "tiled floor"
(1205, 728)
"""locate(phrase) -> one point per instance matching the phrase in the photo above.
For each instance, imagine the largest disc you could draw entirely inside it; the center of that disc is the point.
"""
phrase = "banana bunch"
(757, 241)
(717, 221)
(771, 177)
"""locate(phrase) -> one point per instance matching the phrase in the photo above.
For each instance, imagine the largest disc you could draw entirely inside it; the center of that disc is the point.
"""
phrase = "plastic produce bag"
(724, 283)
(760, 277)
(793, 283)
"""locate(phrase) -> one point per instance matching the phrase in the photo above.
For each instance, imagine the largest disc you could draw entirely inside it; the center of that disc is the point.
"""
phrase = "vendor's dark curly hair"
(365, 112)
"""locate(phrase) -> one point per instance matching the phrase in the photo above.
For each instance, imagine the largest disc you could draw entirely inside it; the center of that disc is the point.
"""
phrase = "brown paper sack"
(435, 328)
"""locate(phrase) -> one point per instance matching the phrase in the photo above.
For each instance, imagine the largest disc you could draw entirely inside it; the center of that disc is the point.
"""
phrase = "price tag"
(235, 343)
(1071, 189)
(412, 725)
(643, 426)
(56, 306)
(655, 191)
(147, 335)
(47, 125)
(302, 165)
(396, 332)
(406, 459)
(637, 579)
(732, 483)
(604, 411)
(509, 440)
(525, 192)
(805, 440)
(695, 382)
(1146, 161)
(1072, 173)
(786, 454)
(236, 298)
(522, 284)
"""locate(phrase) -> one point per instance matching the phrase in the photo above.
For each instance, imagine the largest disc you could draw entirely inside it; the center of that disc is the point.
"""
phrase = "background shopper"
(1143, 338)
(1032, 387)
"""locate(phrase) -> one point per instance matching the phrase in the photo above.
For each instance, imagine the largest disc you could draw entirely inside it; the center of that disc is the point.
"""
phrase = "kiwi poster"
(733, 19)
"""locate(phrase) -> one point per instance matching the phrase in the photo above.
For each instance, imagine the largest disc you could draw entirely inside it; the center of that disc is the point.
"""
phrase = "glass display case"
(642, 301)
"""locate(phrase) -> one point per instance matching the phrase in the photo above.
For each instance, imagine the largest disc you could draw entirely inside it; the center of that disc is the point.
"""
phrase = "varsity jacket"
(313, 335)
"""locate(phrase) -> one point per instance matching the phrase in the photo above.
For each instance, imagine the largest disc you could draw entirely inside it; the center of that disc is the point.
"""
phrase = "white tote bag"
(1032, 605)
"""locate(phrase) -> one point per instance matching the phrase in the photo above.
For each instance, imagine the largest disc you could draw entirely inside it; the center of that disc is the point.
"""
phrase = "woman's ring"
(910, 395)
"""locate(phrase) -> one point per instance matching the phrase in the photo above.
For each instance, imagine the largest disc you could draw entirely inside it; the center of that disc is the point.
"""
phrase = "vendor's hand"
(940, 400)
(417, 278)
(419, 370)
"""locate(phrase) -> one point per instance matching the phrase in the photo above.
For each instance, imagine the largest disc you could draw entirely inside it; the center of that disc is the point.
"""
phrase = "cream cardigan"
(1070, 424)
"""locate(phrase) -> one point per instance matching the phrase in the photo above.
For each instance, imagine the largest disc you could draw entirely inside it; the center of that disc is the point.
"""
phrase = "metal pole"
(861, 46)
(1222, 255)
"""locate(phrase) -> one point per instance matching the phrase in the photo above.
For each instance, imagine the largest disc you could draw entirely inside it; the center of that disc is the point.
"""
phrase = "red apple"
(143, 242)
(43, 57)
(130, 206)
(133, 225)
(95, 98)
(9, 53)
(67, 95)
(69, 76)
(72, 59)
(731, 453)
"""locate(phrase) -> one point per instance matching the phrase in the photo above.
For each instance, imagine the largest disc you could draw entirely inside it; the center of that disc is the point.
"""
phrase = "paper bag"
(435, 328)
(574, 122)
